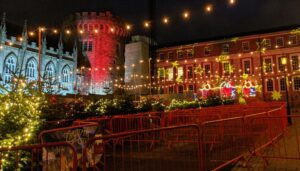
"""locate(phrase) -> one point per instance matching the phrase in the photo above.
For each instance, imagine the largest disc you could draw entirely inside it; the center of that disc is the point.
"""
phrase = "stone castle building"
(102, 40)
(20, 58)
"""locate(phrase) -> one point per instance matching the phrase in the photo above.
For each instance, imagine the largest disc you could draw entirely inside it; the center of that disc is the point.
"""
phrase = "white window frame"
(293, 44)
(279, 84)
(268, 43)
(243, 65)
(210, 66)
(277, 38)
(209, 50)
(248, 45)
(266, 84)
(294, 83)
(291, 59)
(264, 60)
(279, 62)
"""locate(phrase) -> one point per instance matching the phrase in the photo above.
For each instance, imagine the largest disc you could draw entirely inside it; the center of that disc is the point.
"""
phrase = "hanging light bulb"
(208, 8)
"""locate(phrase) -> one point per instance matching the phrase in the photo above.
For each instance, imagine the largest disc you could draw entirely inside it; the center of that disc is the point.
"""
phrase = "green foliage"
(158, 106)
(212, 100)
(228, 101)
(20, 111)
(119, 105)
(183, 104)
(145, 105)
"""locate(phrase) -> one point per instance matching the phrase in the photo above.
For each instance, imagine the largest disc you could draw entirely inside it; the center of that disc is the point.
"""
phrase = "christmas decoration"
(175, 64)
(199, 70)
(234, 39)
(276, 95)
(245, 76)
(179, 79)
(295, 31)
(261, 46)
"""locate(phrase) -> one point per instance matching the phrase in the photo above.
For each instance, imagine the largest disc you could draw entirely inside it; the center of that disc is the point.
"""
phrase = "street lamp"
(284, 63)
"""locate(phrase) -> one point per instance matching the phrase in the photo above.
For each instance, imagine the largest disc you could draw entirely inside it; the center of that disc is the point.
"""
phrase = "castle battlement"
(100, 22)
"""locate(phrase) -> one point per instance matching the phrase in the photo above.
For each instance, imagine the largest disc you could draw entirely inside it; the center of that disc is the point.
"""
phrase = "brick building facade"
(245, 61)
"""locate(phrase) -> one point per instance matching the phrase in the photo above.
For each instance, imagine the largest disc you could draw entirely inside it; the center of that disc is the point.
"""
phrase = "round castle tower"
(102, 40)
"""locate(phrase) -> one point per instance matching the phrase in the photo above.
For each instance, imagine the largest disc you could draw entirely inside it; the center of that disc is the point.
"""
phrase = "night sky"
(245, 16)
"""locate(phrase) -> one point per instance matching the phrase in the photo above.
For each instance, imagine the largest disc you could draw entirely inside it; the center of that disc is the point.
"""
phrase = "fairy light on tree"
(20, 111)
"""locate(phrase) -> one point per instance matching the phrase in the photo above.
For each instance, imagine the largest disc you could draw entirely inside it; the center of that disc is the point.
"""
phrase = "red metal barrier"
(226, 141)
(50, 156)
(134, 122)
(279, 146)
(78, 125)
(155, 149)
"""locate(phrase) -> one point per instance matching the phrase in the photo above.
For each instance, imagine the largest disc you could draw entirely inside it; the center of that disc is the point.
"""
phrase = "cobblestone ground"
(287, 146)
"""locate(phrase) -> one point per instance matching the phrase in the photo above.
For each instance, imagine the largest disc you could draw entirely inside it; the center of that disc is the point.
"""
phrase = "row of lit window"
(267, 44)
(282, 84)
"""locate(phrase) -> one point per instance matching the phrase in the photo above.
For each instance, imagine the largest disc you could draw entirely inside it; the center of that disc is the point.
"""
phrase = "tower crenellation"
(102, 40)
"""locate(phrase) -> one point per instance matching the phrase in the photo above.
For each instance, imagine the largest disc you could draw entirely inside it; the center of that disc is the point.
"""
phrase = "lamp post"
(284, 63)
(149, 74)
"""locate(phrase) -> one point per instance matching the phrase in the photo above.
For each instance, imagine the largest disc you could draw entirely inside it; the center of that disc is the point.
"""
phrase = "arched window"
(31, 69)
(66, 77)
(9, 68)
(49, 71)
(66, 74)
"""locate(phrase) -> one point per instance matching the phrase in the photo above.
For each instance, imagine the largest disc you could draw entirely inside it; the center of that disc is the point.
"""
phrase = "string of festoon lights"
(119, 82)
(213, 77)
(186, 15)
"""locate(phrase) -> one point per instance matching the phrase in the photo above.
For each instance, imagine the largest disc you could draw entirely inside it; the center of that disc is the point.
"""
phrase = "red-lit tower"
(102, 38)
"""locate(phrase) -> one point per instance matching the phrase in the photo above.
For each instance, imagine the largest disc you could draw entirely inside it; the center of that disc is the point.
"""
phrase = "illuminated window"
(9, 68)
(31, 69)
(268, 44)
(293, 40)
(162, 56)
(171, 55)
(84, 45)
(207, 51)
(180, 89)
(279, 41)
(49, 70)
(295, 63)
(91, 28)
(270, 86)
(282, 84)
(66, 77)
(191, 88)
(281, 67)
(226, 67)
(180, 72)
(90, 47)
(225, 48)
(161, 72)
(170, 74)
(247, 66)
(190, 53)
(268, 65)
(207, 69)
(296, 82)
(190, 72)
(246, 46)
(180, 55)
